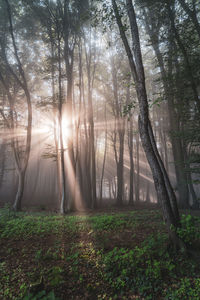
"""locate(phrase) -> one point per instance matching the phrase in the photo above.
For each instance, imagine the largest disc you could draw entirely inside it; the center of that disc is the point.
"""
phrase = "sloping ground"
(100, 255)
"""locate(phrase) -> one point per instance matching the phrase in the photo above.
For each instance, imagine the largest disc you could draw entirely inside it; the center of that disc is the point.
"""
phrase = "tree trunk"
(21, 80)
(174, 119)
(69, 64)
(132, 172)
(104, 160)
(90, 78)
(137, 186)
(62, 157)
(20, 191)
(130, 146)
(145, 129)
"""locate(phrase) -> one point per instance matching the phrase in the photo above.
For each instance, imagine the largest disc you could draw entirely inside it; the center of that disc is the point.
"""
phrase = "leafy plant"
(187, 288)
(55, 276)
(111, 222)
(142, 269)
(6, 214)
(188, 231)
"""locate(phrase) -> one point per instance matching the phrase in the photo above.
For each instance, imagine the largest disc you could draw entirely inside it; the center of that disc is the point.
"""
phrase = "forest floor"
(96, 255)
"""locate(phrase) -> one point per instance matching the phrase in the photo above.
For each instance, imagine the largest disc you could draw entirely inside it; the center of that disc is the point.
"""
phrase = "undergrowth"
(69, 255)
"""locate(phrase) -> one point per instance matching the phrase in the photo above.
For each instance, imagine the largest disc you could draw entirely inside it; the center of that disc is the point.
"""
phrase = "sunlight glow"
(65, 129)
(50, 127)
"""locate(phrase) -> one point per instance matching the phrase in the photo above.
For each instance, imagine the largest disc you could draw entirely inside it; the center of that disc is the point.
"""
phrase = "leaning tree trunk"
(148, 142)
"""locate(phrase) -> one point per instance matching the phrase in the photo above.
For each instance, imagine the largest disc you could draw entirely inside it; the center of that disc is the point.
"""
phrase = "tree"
(161, 180)
(192, 13)
(179, 79)
(16, 72)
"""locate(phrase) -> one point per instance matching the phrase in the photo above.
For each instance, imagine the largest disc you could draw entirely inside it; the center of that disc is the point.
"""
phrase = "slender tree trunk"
(147, 200)
(137, 186)
(104, 160)
(62, 154)
(165, 151)
(69, 65)
(132, 171)
(20, 191)
(55, 114)
(3, 158)
(90, 78)
(120, 127)
(120, 171)
(130, 146)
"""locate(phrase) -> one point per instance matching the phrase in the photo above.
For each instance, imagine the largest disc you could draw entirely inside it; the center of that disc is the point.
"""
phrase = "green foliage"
(186, 289)
(41, 295)
(141, 270)
(55, 276)
(111, 222)
(74, 260)
(93, 251)
(6, 214)
(157, 102)
(50, 254)
(27, 226)
(38, 255)
(128, 108)
(189, 231)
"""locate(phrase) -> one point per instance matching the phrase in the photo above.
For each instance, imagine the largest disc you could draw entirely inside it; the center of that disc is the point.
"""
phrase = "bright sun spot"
(47, 126)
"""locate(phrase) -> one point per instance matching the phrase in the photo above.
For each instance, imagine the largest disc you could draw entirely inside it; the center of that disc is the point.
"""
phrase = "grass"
(99, 256)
